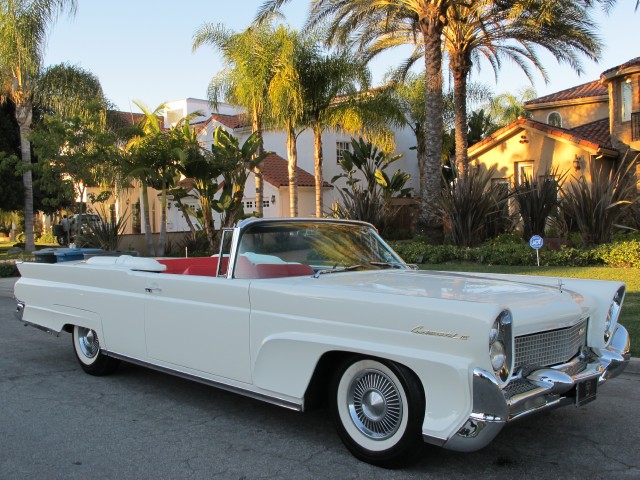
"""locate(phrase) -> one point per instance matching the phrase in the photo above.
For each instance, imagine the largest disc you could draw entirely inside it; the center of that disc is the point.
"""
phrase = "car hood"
(535, 306)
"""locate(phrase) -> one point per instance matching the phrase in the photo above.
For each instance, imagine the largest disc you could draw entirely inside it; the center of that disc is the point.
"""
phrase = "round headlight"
(498, 356)
(493, 333)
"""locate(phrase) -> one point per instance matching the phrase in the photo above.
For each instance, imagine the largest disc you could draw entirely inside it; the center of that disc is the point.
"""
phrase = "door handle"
(152, 289)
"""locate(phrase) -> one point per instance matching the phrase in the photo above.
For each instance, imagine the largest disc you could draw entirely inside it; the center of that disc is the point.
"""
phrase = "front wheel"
(87, 349)
(378, 408)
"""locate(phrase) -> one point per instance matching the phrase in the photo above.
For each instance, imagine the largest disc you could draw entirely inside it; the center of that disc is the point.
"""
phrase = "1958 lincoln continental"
(300, 311)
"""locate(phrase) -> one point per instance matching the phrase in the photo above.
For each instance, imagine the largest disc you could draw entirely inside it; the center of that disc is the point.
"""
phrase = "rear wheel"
(378, 408)
(87, 349)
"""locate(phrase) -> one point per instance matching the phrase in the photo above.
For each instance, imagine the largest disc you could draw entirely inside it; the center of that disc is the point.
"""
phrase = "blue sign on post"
(536, 243)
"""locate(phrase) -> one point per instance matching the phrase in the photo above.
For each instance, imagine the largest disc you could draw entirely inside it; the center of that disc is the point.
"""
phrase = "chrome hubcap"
(375, 405)
(88, 341)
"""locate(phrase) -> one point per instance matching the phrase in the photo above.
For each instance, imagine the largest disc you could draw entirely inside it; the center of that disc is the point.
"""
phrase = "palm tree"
(374, 26)
(24, 25)
(142, 163)
(251, 59)
(285, 99)
(335, 96)
(508, 107)
(492, 30)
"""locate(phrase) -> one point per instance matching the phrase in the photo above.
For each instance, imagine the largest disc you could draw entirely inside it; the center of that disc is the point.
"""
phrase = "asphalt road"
(57, 422)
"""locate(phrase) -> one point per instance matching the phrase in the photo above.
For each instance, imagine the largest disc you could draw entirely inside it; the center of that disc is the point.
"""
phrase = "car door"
(198, 322)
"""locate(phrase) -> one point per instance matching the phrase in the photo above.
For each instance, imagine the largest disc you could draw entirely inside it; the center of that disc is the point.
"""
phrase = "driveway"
(56, 422)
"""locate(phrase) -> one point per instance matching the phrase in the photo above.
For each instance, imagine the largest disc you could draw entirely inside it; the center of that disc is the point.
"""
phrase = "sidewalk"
(6, 290)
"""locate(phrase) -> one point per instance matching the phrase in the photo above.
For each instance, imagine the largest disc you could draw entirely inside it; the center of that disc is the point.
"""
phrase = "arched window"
(554, 119)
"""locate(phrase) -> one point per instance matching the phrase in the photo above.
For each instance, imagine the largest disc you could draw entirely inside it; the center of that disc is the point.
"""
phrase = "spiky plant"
(537, 199)
(466, 203)
(596, 207)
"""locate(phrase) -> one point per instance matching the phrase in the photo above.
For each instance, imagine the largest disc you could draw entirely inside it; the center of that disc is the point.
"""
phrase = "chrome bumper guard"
(19, 311)
(494, 407)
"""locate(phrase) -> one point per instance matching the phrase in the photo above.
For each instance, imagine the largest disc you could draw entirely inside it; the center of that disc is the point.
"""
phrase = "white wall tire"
(86, 347)
(378, 409)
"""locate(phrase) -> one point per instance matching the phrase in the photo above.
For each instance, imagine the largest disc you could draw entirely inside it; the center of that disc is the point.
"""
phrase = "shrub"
(8, 269)
(598, 206)
(537, 200)
(467, 203)
(620, 254)
(505, 251)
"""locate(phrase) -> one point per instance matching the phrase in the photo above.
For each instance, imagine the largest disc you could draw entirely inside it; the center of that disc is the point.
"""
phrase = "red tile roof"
(594, 135)
(275, 170)
(586, 90)
(598, 132)
(231, 121)
(631, 63)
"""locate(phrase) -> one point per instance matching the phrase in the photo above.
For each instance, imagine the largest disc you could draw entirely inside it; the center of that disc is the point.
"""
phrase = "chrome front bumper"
(494, 407)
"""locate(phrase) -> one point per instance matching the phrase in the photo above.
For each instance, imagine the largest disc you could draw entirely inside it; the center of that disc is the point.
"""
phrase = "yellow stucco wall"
(574, 115)
(544, 151)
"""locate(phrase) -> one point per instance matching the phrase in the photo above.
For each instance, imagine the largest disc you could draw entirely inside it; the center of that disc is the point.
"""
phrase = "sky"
(141, 49)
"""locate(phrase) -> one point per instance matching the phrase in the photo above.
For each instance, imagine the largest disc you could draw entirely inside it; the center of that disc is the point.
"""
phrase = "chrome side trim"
(299, 407)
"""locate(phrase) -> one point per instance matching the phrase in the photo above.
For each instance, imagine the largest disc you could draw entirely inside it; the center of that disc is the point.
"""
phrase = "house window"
(265, 203)
(554, 119)
(340, 147)
(524, 170)
(248, 204)
(625, 103)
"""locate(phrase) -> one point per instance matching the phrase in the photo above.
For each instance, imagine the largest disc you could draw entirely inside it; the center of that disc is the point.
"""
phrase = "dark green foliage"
(597, 207)
(104, 234)
(537, 200)
(369, 189)
(471, 204)
(8, 269)
(505, 251)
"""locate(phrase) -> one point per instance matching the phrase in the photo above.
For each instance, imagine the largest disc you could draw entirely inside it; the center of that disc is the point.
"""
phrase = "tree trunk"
(292, 155)
(421, 153)
(24, 115)
(257, 171)
(163, 222)
(460, 68)
(147, 222)
(317, 156)
(432, 27)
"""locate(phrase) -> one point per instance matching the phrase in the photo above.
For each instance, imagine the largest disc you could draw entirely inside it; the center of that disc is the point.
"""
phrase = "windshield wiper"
(336, 270)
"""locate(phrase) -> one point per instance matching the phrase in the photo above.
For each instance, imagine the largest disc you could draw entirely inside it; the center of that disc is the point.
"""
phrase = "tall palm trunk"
(148, 237)
(292, 155)
(431, 28)
(24, 115)
(460, 68)
(317, 156)
(421, 152)
(257, 171)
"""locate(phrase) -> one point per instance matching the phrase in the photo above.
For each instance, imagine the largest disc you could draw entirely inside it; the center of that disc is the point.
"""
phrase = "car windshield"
(315, 247)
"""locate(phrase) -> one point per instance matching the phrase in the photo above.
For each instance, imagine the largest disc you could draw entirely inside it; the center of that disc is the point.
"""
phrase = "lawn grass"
(630, 316)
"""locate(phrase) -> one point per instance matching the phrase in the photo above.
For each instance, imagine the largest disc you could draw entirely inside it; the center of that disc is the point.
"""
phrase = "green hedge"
(8, 269)
(617, 254)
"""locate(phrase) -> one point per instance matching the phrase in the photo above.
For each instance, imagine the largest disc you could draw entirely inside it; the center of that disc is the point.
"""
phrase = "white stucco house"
(274, 168)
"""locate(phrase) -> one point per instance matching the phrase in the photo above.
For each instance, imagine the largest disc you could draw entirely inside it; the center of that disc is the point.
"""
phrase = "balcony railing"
(635, 126)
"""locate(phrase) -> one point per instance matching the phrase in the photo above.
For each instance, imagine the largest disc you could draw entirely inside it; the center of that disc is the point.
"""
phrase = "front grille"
(550, 348)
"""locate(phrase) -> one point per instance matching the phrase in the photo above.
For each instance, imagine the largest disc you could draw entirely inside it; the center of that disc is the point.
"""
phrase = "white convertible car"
(298, 312)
